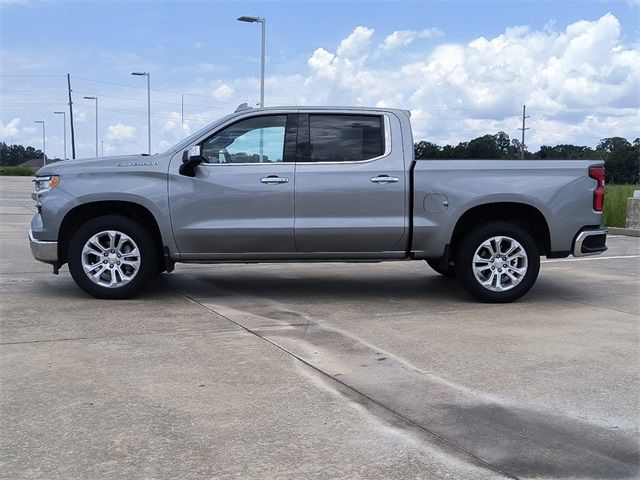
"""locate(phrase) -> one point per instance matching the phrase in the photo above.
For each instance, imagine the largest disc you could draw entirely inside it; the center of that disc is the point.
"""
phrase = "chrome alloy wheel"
(110, 259)
(500, 264)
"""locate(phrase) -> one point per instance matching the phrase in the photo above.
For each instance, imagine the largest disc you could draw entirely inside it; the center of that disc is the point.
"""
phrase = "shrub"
(615, 204)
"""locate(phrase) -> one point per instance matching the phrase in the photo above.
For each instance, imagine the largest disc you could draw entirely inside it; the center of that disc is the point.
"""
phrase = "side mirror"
(190, 160)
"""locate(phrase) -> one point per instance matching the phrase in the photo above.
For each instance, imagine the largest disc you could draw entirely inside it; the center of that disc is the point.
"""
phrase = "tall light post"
(96, 99)
(64, 122)
(44, 144)
(263, 22)
(148, 75)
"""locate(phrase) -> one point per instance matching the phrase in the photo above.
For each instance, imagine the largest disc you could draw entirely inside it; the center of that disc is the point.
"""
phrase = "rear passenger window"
(345, 138)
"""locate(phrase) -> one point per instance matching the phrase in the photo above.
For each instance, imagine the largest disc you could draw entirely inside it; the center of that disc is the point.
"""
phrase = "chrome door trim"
(387, 137)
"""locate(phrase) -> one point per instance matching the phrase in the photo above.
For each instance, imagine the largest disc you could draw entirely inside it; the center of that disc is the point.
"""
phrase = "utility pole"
(102, 148)
(148, 75)
(263, 22)
(96, 100)
(524, 118)
(64, 125)
(73, 138)
(44, 143)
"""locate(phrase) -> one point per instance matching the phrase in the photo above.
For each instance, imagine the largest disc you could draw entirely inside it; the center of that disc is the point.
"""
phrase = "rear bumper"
(590, 242)
(44, 251)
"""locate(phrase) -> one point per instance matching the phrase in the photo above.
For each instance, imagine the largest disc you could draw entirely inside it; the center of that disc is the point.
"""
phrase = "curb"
(629, 232)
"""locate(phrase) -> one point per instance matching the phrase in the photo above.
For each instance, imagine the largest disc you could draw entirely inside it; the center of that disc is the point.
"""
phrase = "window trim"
(291, 120)
(386, 130)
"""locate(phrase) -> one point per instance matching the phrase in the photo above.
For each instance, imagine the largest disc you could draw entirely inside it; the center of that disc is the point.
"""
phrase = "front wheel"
(112, 257)
(498, 263)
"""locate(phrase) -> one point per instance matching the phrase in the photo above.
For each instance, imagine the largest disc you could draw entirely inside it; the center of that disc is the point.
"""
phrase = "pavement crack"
(106, 337)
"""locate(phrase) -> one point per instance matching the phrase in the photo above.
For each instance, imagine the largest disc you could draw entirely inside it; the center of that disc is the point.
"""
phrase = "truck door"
(350, 184)
(241, 199)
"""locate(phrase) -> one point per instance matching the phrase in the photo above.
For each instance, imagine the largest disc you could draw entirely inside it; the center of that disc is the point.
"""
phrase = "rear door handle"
(274, 180)
(384, 179)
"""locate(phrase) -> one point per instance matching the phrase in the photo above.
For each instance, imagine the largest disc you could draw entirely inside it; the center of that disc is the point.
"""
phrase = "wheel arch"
(80, 214)
(524, 215)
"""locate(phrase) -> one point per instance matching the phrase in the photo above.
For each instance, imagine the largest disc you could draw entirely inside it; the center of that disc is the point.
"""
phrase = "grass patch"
(615, 204)
(17, 171)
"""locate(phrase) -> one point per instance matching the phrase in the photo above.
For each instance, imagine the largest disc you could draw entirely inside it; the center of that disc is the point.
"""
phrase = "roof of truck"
(244, 107)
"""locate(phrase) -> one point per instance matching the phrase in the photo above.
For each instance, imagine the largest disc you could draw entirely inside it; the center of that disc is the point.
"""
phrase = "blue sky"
(463, 68)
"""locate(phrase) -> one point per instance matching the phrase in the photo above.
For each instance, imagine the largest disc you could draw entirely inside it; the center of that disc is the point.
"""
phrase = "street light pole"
(263, 22)
(148, 75)
(64, 122)
(96, 99)
(44, 144)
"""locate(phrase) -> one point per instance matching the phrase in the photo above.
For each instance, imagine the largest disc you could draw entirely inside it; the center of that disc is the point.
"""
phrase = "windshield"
(194, 136)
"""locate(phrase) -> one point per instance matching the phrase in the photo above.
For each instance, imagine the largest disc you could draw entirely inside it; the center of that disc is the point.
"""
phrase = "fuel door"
(435, 203)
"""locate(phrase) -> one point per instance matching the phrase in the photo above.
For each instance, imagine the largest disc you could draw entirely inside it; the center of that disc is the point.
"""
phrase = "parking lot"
(317, 371)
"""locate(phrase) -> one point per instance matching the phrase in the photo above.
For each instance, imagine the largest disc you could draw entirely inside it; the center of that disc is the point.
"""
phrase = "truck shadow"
(285, 285)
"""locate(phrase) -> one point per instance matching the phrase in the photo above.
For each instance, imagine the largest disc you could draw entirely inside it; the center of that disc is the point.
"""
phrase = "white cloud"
(121, 133)
(403, 38)
(223, 92)
(10, 129)
(356, 43)
(462, 90)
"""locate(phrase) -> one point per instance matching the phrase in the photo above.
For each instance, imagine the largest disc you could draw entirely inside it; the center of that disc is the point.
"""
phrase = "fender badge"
(137, 164)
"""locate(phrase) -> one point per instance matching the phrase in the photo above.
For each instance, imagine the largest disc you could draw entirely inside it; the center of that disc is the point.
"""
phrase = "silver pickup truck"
(313, 184)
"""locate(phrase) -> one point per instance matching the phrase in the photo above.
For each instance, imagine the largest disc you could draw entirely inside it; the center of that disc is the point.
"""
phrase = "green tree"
(622, 159)
(426, 149)
(567, 152)
(17, 154)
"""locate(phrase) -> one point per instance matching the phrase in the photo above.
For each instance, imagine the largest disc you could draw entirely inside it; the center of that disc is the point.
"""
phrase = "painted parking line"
(614, 257)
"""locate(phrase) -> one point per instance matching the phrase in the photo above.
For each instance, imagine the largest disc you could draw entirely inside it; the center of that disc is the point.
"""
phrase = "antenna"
(242, 106)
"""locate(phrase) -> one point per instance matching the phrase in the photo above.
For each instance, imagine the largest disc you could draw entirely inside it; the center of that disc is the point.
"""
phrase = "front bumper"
(46, 252)
(590, 242)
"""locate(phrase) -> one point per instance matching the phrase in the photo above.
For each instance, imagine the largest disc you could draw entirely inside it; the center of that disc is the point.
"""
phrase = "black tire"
(466, 250)
(437, 266)
(147, 256)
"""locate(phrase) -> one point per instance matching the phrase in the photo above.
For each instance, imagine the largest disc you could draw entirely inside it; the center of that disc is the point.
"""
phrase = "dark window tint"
(345, 138)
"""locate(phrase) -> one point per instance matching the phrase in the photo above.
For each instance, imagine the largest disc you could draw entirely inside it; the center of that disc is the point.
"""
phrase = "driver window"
(255, 140)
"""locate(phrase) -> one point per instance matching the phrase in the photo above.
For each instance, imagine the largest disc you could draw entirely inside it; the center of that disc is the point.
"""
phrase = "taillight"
(597, 173)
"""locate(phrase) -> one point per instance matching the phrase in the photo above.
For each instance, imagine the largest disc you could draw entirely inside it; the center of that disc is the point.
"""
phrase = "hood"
(102, 163)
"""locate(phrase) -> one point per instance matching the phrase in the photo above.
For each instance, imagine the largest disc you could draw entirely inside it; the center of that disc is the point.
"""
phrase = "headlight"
(44, 184)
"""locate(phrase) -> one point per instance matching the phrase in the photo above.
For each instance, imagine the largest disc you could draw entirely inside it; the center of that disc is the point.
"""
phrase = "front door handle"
(274, 180)
(385, 179)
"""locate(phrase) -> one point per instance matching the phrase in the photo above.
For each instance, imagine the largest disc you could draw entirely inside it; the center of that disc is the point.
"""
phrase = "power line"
(33, 74)
(139, 112)
(173, 92)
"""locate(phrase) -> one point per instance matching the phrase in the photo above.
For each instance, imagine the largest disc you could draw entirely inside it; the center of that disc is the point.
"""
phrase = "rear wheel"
(497, 263)
(112, 257)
